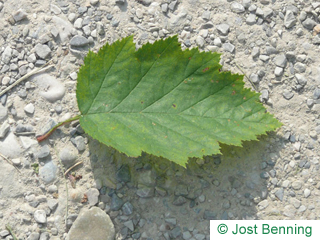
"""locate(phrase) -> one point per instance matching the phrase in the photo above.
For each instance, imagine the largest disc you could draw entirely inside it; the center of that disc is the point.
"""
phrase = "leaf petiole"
(46, 135)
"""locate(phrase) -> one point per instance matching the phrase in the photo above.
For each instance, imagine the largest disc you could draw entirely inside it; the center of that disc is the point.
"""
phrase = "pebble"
(289, 211)
(251, 19)
(145, 192)
(289, 19)
(52, 204)
(34, 236)
(263, 204)
(52, 189)
(68, 156)
(48, 172)
(93, 196)
(287, 94)
(4, 129)
(223, 29)
(6, 55)
(296, 185)
(129, 224)
(80, 143)
(78, 23)
(280, 60)
(19, 15)
(89, 223)
(309, 23)
(43, 152)
(53, 90)
(79, 41)
(200, 41)
(278, 71)
(228, 47)
(40, 216)
(42, 50)
(279, 194)
(316, 95)
(29, 108)
(237, 7)
(306, 192)
(116, 203)
(127, 208)
(209, 215)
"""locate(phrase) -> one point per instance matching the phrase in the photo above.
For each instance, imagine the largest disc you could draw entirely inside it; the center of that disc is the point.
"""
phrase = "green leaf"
(165, 101)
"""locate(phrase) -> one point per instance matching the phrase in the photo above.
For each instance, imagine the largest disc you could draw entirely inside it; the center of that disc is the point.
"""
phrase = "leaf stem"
(46, 135)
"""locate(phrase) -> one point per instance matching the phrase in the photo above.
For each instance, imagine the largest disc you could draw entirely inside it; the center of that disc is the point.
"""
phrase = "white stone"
(29, 108)
(40, 216)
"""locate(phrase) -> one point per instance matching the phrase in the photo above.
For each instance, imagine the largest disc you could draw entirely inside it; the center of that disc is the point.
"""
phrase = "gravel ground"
(110, 196)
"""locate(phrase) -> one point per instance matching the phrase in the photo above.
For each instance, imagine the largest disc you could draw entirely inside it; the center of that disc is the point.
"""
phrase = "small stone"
(42, 50)
(34, 236)
(93, 196)
(4, 129)
(78, 23)
(289, 19)
(263, 204)
(309, 23)
(93, 223)
(316, 94)
(48, 172)
(127, 208)
(3, 113)
(200, 41)
(116, 203)
(52, 204)
(32, 58)
(68, 156)
(4, 233)
(175, 233)
(44, 152)
(280, 60)
(79, 41)
(19, 15)
(6, 55)
(179, 201)
(209, 215)
(254, 78)
(287, 94)
(217, 42)
(94, 2)
(310, 103)
(278, 71)
(306, 192)
(264, 95)
(237, 7)
(279, 194)
(29, 108)
(80, 144)
(301, 79)
(296, 185)
(82, 10)
(251, 19)
(289, 211)
(228, 47)
(206, 15)
(123, 174)
(129, 224)
(223, 29)
(255, 52)
(145, 192)
(16, 161)
(52, 189)
(300, 67)
(264, 58)
(40, 216)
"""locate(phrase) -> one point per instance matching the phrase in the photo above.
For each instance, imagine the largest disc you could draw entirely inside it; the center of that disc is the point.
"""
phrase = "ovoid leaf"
(165, 101)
